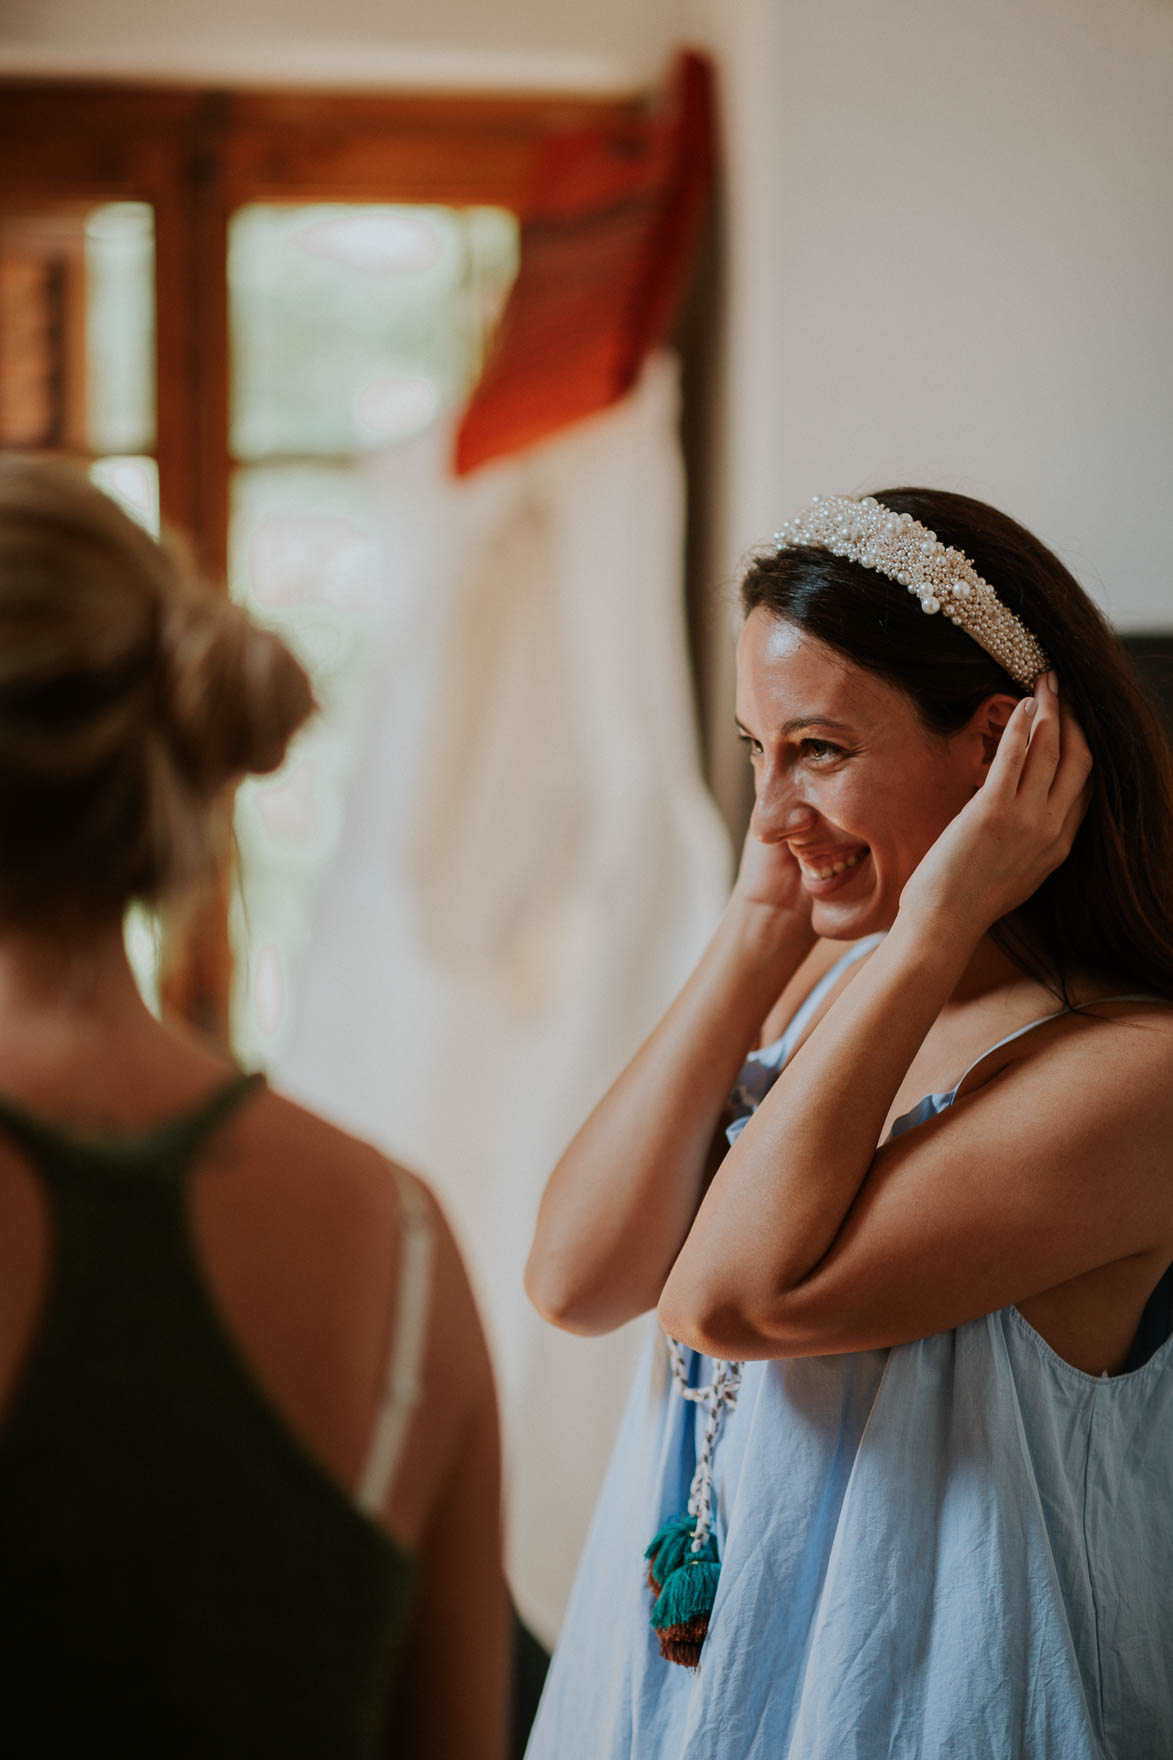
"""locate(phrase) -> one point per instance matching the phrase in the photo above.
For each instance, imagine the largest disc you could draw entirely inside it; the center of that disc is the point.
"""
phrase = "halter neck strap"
(173, 1142)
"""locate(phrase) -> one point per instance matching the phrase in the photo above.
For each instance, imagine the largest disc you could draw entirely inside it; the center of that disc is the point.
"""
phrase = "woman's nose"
(778, 813)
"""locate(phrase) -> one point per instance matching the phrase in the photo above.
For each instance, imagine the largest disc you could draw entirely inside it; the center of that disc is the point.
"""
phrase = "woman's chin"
(852, 912)
(845, 925)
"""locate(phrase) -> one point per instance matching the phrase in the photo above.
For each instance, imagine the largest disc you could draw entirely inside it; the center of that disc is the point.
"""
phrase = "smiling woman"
(905, 1505)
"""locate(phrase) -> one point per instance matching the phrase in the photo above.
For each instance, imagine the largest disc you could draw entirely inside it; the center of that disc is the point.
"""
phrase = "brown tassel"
(682, 1644)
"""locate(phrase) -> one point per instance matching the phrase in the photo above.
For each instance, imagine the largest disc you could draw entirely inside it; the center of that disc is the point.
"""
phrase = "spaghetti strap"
(1019, 1032)
(761, 1068)
(405, 1348)
(807, 1008)
(778, 1050)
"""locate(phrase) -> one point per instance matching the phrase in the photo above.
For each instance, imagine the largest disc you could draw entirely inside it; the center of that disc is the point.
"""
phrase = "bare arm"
(622, 1198)
(452, 1693)
(811, 1243)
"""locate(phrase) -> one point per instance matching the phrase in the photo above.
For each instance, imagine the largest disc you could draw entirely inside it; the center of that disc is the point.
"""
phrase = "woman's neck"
(989, 970)
(59, 988)
(993, 970)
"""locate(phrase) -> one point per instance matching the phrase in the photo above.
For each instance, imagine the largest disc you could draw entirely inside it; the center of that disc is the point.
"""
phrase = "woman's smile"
(829, 871)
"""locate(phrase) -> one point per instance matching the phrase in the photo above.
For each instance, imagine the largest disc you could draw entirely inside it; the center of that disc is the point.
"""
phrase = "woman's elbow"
(721, 1324)
(698, 1317)
(548, 1293)
(562, 1302)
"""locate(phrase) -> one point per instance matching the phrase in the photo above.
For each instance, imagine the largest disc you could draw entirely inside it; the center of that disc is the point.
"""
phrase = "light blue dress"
(958, 1549)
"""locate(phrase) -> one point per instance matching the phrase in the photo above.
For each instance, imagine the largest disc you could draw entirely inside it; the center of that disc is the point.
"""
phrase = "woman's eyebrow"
(798, 721)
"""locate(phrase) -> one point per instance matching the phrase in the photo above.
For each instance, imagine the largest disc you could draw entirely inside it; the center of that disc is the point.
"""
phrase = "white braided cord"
(718, 1397)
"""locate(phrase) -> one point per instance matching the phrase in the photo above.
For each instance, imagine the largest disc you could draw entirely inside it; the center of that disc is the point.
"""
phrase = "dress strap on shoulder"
(409, 1324)
(1020, 1032)
(830, 978)
(811, 1003)
(761, 1068)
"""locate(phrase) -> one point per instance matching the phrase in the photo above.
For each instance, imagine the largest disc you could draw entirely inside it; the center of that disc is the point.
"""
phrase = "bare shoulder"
(273, 1126)
(1123, 1049)
(1110, 1049)
(818, 962)
(316, 1172)
(1090, 1088)
(314, 1211)
(335, 1183)
(302, 1228)
(351, 1198)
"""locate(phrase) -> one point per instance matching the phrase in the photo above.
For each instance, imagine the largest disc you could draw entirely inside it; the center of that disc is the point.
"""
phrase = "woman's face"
(846, 776)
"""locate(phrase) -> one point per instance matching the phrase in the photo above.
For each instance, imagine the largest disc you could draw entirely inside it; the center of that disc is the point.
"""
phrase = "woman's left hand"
(1019, 826)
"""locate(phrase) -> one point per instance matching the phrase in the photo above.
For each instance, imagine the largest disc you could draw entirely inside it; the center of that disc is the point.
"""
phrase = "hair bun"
(231, 694)
(132, 695)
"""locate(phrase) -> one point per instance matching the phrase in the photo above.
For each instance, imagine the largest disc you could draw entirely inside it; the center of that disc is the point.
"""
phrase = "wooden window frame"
(196, 156)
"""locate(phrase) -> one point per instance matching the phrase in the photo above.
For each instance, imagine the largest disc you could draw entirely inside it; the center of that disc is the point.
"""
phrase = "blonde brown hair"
(133, 696)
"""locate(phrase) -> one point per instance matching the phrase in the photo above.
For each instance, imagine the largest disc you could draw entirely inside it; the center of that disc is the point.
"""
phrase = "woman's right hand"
(623, 1197)
(769, 877)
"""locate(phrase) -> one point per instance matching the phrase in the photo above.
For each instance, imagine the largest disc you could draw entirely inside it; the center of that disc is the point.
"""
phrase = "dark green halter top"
(177, 1576)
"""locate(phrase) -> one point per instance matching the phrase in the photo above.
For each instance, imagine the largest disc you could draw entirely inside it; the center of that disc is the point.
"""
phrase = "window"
(224, 303)
(351, 329)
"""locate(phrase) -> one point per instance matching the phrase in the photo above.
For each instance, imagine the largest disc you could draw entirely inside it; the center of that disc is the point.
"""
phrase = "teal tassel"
(683, 1576)
(680, 1617)
(684, 1582)
(688, 1594)
(669, 1527)
(666, 1549)
(671, 1547)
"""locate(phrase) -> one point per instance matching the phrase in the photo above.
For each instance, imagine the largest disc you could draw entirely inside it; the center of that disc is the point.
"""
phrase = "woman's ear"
(985, 730)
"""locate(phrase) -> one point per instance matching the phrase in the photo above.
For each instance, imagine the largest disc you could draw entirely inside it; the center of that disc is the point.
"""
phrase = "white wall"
(552, 44)
(950, 240)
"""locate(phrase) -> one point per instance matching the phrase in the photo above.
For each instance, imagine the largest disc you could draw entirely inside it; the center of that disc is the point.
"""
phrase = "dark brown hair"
(1108, 910)
(133, 696)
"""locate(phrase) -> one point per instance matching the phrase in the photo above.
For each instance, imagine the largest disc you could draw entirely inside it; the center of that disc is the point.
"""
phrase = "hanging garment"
(179, 1577)
(528, 867)
(961, 1546)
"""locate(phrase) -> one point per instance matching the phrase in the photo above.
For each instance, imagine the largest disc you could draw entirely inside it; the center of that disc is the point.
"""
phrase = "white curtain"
(528, 865)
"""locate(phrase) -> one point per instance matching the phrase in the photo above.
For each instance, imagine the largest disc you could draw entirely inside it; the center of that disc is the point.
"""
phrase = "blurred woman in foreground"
(249, 1473)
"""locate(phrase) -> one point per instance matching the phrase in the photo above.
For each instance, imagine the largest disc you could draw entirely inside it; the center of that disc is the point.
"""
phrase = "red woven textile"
(607, 240)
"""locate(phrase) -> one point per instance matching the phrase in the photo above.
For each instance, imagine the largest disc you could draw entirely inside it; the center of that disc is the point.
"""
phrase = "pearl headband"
(895, 544)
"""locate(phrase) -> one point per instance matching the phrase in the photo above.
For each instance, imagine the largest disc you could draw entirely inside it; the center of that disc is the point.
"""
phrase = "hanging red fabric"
(607, 239)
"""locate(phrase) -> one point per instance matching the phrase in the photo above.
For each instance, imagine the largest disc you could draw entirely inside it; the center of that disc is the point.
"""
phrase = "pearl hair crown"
(894, 544)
